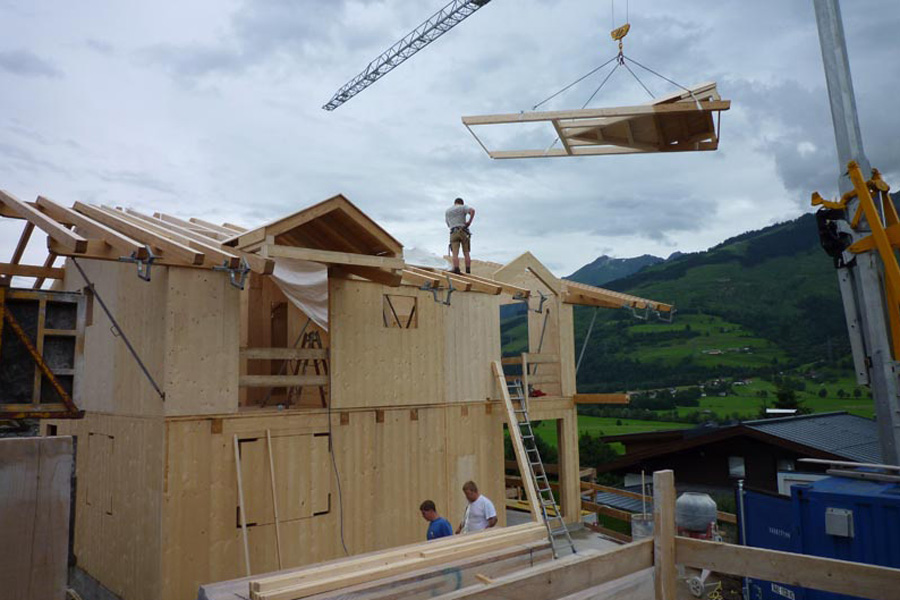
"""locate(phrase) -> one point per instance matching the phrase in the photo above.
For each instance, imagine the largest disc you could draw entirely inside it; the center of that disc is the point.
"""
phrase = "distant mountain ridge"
(606, 268)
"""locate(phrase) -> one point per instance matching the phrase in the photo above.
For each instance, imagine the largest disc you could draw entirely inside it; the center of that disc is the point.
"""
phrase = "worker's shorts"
(459, 237)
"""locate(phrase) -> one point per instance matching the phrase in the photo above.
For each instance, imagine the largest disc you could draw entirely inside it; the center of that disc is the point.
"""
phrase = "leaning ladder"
(517, 410)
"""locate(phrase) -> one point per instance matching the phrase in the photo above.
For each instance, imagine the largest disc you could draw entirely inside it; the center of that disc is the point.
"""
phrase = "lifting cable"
(116, 330)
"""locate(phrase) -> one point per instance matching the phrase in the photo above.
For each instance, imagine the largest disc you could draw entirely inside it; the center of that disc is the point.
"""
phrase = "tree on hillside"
(786, 397)
(593, 451)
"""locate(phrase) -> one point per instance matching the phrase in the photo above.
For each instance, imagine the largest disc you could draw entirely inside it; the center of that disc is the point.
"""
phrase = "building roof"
(849, 436)
(834, 435)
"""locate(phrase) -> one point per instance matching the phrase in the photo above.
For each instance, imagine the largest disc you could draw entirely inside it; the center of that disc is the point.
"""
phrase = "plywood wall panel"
(118, 539)
(202, 328)
(112, 380)
(374, 365)
(471, 341)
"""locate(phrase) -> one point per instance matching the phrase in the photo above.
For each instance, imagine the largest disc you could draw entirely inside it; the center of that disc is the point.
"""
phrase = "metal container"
(641, 526)
(695, 512)
(836, 517)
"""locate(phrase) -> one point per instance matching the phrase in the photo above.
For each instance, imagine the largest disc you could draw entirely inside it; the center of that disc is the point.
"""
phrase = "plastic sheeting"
(305, 284)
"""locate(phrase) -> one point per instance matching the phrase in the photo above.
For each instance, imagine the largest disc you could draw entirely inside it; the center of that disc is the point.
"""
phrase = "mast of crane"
(437, 25)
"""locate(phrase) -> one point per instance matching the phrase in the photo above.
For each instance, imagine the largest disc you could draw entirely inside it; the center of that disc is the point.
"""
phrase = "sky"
(212, 108)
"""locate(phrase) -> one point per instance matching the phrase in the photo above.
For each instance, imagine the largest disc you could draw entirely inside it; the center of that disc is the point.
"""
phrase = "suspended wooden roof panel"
(682, 122)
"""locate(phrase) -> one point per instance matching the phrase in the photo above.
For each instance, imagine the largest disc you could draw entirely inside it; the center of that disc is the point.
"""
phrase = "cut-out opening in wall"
(400, 312)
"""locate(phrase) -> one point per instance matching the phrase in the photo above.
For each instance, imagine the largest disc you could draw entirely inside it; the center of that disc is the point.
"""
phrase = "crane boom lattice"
(437, 25)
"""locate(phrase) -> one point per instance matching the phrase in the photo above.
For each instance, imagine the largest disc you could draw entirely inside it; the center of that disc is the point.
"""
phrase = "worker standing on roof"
(459, 217)
(438, 526)
(480, 513)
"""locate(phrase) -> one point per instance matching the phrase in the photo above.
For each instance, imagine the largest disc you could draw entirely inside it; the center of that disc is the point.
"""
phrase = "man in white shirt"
(480, 514)
(458, 218)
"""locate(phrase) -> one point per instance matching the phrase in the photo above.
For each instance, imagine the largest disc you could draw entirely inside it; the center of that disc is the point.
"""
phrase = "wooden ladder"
(534, 476)
(313, 340)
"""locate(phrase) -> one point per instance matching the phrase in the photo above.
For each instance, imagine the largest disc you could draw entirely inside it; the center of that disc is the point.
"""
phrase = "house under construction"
(231, 431)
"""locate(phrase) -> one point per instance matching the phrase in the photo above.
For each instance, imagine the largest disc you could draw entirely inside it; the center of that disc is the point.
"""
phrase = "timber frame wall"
(211, 482)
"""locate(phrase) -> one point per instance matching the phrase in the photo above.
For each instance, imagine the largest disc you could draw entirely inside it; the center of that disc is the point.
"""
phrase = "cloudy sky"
(212, 108)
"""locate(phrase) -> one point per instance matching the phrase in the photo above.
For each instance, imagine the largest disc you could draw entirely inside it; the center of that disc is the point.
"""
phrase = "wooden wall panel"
(373, 365)
(202, 325)
(35, 490)
(113, 381)
(471, 342)
(567, 348)
(118, 537)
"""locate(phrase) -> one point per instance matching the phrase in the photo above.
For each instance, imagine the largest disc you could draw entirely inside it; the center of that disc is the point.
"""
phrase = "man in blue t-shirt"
(438, 526)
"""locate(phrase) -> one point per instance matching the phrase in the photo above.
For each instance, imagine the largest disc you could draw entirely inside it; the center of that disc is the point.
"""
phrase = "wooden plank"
(63, 236)
(195, 227)
(282, 380)
(664, 533)
(506, 288)
(615, 513)
(123, 243)
(674, 108)
(458, 283)
(390, 278)
(826, 574)
(48, 263)
(534, 379)
(215, 256)
(35, 490)
(331, 576)
(13, 270)
(284, 353)
(564, 576)
(535, 358)
(594, 151)
(23, 242)
(516, 436)
(418, 278)
(226, 231)
(172, 249)
(330, 257)
(524, 261)
(601, 398)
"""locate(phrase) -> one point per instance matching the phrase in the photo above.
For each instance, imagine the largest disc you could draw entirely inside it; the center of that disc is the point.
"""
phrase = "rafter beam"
(57, 232)
(122, 243)
(172, 249)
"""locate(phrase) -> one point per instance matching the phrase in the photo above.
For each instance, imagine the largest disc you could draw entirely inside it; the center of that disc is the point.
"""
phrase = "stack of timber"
(417, 569)
(681, 122)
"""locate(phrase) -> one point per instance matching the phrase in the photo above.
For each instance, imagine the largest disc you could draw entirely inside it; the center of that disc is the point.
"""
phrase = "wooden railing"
(526, 360)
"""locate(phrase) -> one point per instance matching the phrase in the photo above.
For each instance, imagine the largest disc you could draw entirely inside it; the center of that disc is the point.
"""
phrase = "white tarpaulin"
(305, 284)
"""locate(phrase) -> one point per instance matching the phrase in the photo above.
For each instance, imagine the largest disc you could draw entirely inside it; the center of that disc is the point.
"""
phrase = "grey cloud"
(138, 179)
(24, 159)
(100, 47)
(27, 64)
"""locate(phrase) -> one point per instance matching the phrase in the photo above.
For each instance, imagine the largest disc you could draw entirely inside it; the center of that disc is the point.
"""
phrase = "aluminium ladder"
(523, 434)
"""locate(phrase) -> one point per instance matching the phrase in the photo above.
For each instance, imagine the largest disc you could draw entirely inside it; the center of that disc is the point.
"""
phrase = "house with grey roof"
(713, 458)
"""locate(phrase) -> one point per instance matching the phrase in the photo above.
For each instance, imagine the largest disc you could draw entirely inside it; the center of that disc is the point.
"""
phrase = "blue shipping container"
(847, 519)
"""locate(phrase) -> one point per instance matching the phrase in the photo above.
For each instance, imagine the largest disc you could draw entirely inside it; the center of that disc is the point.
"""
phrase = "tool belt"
(457, 228)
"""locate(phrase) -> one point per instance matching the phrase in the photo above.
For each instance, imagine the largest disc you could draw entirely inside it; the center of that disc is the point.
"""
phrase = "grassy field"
(718, 343)
(746, 402)
(606, 426)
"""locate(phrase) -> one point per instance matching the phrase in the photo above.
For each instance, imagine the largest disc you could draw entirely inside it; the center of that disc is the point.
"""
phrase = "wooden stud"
(664, 533)
(48, 263)
(54, 230)
(333, 258)
(242, 511)
(274, 498)
(14, 270)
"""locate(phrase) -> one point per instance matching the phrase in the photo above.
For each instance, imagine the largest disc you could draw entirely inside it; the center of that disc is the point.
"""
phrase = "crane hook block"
(621, 32)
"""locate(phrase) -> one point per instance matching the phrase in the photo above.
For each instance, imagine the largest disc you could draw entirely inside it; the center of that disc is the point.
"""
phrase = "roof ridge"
(798, 417)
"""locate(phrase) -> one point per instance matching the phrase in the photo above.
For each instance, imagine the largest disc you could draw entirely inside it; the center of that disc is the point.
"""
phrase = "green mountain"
(607, 268)
(757, 303)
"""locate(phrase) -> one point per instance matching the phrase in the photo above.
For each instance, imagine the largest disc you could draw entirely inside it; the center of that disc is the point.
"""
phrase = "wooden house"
(257, 434)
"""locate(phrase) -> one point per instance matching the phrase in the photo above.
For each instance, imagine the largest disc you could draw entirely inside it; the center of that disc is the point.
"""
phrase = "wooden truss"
(677, 123)
(106, 233)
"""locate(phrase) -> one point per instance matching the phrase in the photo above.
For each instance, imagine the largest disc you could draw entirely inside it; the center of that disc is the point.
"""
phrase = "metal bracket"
(143, 264)
(666, 319)
(526, 299)
(434, 289)
(238, 275)
(643, 317)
